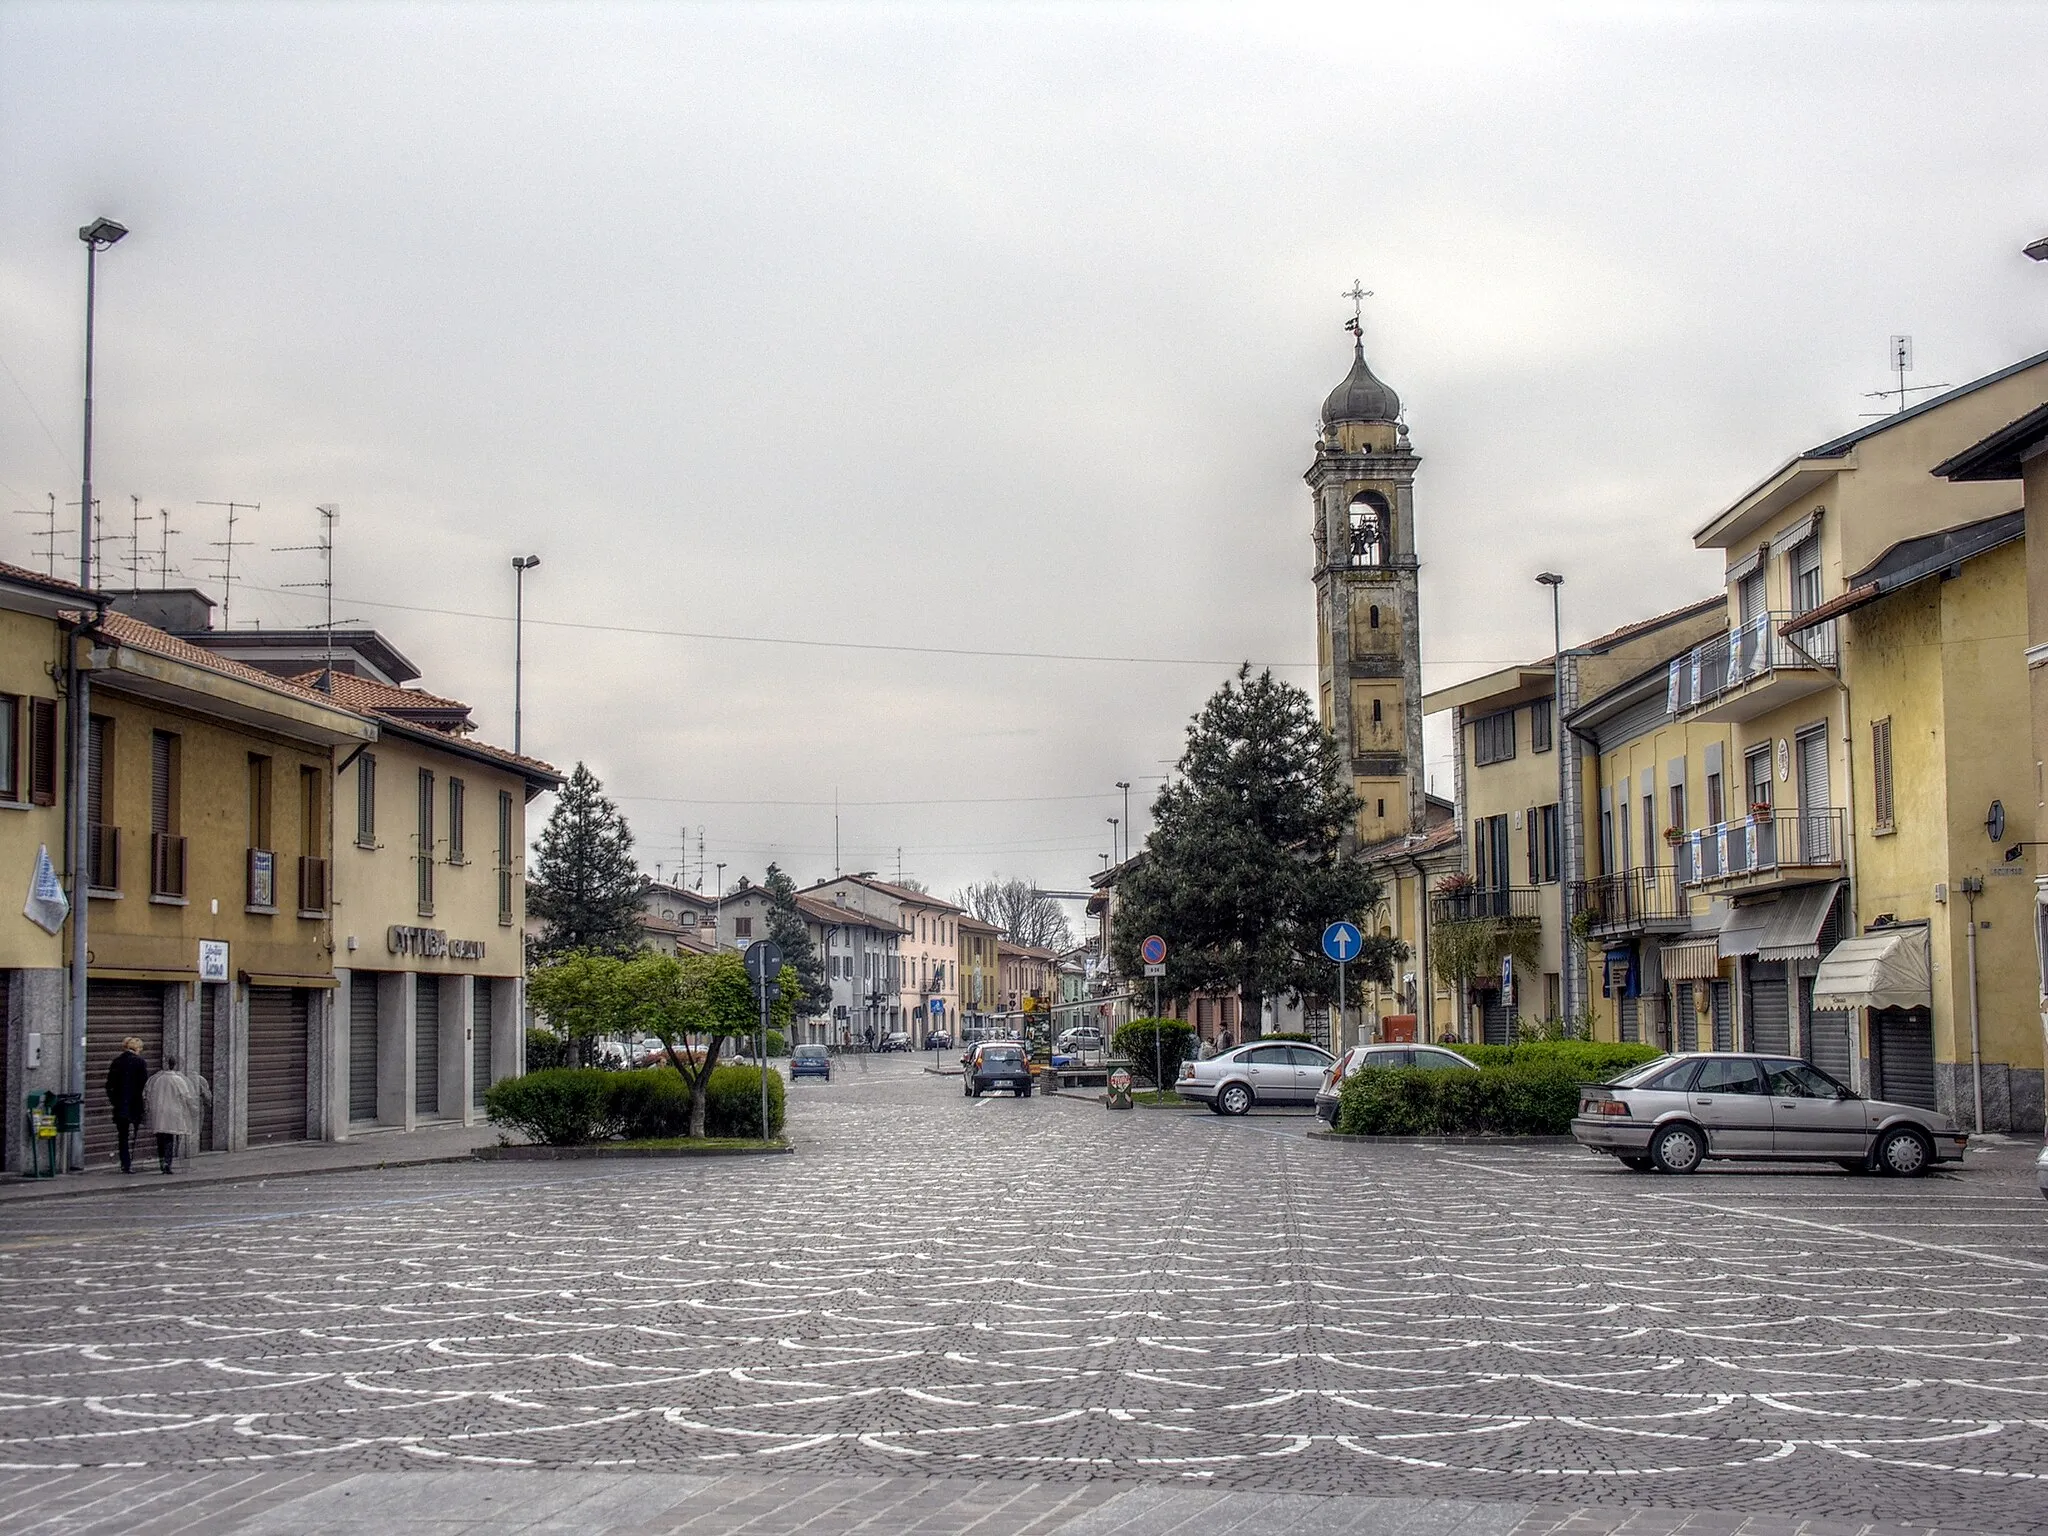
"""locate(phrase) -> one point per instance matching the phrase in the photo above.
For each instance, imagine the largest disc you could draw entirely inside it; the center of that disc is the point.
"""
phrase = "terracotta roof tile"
(367, 693)
(135, 634)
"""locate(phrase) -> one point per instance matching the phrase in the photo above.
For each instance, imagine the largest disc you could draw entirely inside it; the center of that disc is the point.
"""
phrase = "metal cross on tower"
(1357, 294)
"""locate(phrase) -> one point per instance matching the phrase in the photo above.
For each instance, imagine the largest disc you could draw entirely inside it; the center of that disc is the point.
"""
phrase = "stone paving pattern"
(1044, 1303)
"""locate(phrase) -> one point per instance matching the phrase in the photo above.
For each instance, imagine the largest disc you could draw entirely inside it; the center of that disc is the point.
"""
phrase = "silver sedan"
(1678, 1111)
(1260, 1072)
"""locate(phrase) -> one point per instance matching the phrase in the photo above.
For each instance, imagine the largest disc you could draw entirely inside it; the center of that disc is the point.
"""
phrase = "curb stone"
(525, 1154)
(1449, 1141)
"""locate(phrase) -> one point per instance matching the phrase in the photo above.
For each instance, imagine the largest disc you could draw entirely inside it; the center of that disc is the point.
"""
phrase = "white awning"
(1692, 960)
(1743, 929)
(1878, 970)
(1794, 933)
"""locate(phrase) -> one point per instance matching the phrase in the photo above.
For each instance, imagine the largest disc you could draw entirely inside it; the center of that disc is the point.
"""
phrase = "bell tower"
(1368, 636)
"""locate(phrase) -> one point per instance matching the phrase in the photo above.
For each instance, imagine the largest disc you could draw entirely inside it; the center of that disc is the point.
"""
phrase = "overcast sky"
(980, 328)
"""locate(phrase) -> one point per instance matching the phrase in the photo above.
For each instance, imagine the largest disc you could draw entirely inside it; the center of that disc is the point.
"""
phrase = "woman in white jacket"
(176, 1105)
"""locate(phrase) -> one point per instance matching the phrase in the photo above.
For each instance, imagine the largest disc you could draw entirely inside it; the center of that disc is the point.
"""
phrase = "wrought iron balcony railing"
(1506, 903)
(1763, 841)
(1632, 898)
(1749, 651)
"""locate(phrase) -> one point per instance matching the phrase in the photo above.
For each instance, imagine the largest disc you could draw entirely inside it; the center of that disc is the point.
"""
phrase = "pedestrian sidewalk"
(364, 1149)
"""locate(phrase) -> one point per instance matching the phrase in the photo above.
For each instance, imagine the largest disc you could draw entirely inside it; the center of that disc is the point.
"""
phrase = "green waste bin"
(70, 1108)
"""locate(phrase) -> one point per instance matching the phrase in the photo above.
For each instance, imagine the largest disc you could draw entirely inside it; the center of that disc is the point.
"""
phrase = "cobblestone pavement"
(1039, 1305)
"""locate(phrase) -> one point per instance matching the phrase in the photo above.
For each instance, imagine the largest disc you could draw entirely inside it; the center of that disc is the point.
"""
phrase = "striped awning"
(1794, 933)
(1878, 970)
(1692, 960)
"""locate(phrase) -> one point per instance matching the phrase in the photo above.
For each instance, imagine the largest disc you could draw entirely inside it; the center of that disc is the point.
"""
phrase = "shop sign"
(213, 960)
(431, 944)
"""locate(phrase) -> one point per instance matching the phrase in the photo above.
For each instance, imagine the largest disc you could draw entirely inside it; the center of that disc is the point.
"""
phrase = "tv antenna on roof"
(163, 547)
(329, 515)
(227, 561)
(1901, 365)
(48, 536)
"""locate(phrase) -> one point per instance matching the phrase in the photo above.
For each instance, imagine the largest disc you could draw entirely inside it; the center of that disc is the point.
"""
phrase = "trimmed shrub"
(562, 1107)
(1533, 1092)
(777, 1047)
(651, 1103)
(1134, 1042)
(1304, 1039)
(732, 1105)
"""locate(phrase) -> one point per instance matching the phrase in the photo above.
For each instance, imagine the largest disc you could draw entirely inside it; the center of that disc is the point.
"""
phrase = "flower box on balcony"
(1673, 836)
(1760, 808)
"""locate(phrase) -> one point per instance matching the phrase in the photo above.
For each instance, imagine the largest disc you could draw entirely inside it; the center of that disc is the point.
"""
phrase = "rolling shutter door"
(115, 1010)
(278, 1019)
(1723, 996)
(1830, 1040)
(10, 1095)
(210, 998)
(1770, 1020)
(362, 1046)
(479, 1039)
(1631, 1018)
(1688, 1019)
(1905, 1056)
(1494, 1020)
(426, 1046)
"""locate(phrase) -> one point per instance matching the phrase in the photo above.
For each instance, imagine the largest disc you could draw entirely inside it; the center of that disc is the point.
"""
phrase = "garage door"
(362, 1046)
(1631, 1017)
(1722, 995)
(1770, 1017)
(278, 1020)
(113, 1011)
(1495, 1022)
(426, 1046)
(1904, 1038)
(479, 1039)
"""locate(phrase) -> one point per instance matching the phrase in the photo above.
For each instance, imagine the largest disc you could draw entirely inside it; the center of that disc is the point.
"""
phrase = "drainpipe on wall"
(1972, 887)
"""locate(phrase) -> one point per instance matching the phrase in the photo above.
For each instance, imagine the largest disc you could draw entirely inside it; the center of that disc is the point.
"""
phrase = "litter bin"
(70, 1108)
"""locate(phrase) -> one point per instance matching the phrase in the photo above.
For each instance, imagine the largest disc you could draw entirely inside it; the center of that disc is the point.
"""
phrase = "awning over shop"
(1743, 931)
(1692, 960)
(1796, 922)
(1878, 970)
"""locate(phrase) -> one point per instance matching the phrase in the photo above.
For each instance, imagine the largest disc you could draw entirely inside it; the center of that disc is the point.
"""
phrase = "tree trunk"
(1252, 1014)
(699, 1094)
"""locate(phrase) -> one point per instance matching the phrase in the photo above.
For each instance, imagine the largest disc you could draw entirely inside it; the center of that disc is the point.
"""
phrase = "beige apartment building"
(927, 951)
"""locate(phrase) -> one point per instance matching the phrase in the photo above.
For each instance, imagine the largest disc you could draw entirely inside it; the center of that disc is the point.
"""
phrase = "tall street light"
(1125, 786)
(521, 564)
(98, 236)
(1112, 837)
(1560, 743)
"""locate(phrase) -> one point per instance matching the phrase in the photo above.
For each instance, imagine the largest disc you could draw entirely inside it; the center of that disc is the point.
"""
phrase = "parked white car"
(1359, 1057)
(1269, 1072)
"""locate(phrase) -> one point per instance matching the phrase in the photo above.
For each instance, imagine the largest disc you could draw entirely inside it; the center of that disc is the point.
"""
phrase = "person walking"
(176, 1102)
(125, 1079)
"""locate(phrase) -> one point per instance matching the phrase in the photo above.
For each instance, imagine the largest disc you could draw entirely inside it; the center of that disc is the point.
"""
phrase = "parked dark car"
(810, 1061)
(1678, 1111)
(938, 1040)
(997, 1064)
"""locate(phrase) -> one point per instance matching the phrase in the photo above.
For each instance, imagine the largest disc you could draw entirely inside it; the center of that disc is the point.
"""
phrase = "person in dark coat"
(126, 1079)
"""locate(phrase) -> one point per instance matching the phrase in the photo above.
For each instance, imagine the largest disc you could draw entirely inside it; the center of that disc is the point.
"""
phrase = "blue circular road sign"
(1341, 942)
(1153, 950)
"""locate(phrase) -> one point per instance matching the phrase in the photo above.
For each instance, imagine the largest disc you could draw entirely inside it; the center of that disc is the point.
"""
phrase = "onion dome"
(1361, 397)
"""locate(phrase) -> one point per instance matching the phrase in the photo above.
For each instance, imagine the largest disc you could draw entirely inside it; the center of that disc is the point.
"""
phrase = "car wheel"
(1235, 1099)
(1636, 1164)
(1678, 1149)
(1024, 1092)
(1904, 1154)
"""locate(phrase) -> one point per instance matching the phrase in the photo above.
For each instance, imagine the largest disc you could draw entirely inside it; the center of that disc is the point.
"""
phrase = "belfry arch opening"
(1372, 524)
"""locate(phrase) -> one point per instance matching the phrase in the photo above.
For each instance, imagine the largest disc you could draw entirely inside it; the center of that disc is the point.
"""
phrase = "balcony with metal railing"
(1633, 901)
(1752, 668)
(1765, 849)
(1506, 903)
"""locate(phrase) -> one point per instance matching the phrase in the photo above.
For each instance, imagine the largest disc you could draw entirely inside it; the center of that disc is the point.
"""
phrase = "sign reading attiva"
(431, 944)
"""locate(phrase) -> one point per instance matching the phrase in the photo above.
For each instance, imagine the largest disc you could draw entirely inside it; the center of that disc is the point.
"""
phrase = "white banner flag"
(46, 907)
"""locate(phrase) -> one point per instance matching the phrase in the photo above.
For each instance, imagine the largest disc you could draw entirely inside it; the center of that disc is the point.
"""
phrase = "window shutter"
(159, 781)
(1881, 771)
(96, 771)
(42, 751)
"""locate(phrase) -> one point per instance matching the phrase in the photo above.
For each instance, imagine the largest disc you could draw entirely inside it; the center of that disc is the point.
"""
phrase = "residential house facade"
(927, 952)
(981, 1000)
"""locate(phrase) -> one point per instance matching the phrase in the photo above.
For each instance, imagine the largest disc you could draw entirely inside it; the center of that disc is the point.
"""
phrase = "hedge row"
(1519, 1090)
(574, 1106)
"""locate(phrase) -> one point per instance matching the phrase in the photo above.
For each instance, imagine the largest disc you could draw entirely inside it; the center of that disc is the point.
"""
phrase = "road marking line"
(1828, 1226)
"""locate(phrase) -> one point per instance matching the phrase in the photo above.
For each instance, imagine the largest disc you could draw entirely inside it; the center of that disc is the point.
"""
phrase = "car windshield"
(1004, 1056)
(1635, 1077)
(809, 1053)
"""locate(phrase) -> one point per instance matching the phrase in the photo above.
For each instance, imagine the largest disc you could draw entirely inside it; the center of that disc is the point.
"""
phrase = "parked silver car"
(1678, 1111)
(1359, 1057)
(1261, 1072)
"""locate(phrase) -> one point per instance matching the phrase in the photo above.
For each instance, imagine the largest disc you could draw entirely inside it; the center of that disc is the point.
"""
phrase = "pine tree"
(586, 888)
(1248, 859)
(786, 927)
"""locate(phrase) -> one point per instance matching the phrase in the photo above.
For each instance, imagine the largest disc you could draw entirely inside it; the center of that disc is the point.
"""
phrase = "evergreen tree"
(585, 887)
(786, 927)
(1248, 860)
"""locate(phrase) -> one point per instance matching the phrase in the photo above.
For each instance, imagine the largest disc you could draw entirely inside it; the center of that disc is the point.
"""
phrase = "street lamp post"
(98, 236)
(521, 564)
(1561, 744)
(1125, 786)
(1112, 838)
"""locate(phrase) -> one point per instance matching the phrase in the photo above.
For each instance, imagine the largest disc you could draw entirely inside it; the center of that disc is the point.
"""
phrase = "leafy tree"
(578, 995)
(694, 1004)
(787, 928)
(1016, 908)
(1250, 857)
(586, 887)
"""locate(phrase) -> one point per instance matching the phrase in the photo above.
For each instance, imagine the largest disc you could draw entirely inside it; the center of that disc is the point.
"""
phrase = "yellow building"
(981, 992)
(1818, 655)
(1529, 824)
